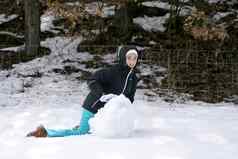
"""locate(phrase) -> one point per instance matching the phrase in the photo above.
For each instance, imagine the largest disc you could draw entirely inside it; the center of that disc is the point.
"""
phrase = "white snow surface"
(215, 1)
(230, 2)
(91, 8)
(4, 18)
(220, 15)
(185, 10)
(107, 10)
(152, 23)
(160, 130)
(47, 22)
(158, 4)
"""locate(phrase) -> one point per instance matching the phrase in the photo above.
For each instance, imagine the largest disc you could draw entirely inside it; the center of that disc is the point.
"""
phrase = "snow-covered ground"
(221, 15)
(163, 131)
(158, 4)
(185, 10)
(47, 22)
(152, 23)
(221, 1)
(107, 10)
(91, 8)
(193, 130)
(4, 18)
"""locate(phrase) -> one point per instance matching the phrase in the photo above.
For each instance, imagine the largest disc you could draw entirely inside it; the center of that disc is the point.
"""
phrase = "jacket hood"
(121, 54)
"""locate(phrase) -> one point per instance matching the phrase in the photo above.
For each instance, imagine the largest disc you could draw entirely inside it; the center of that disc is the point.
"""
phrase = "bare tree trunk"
(32, 27)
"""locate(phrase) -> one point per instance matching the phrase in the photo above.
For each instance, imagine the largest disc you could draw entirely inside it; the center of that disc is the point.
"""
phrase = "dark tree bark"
(32, 27)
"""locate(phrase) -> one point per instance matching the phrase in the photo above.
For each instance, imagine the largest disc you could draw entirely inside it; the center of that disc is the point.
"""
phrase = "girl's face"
(131, 60)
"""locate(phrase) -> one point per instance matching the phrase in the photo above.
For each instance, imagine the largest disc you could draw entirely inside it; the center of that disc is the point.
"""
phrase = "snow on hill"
(192, 130)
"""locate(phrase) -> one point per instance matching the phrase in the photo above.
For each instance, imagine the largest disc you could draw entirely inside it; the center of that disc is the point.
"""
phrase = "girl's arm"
(96, 85)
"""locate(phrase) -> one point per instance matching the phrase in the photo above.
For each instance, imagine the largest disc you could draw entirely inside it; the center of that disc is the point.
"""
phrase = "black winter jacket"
(111, 80)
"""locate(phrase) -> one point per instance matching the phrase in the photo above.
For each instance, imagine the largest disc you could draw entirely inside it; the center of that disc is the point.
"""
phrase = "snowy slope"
(193, 130)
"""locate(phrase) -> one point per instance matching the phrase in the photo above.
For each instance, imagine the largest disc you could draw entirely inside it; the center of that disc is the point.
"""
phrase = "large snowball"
(116, 119)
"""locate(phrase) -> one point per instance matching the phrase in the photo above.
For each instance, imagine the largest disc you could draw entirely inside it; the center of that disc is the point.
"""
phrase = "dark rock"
(10, 40)
(58, 70)
(71, 69)
(15, 26)
(8, 58)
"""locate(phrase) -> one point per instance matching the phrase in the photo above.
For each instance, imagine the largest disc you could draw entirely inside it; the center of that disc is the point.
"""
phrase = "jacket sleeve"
(96, 85)
(97, 82)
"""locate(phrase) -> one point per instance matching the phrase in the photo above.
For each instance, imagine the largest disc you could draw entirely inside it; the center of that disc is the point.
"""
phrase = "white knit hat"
(132, 51)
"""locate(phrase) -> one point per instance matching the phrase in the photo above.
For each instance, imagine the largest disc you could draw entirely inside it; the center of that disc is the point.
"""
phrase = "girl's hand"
(107, 97)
